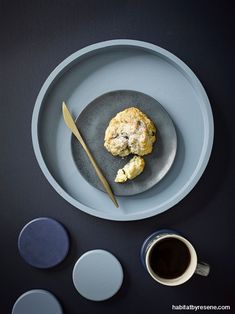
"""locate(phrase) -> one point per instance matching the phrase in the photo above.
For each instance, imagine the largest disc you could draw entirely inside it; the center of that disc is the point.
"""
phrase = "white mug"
(193, 266)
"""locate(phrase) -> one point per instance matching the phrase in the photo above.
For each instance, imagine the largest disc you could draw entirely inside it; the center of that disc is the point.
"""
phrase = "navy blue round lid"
(43, 243)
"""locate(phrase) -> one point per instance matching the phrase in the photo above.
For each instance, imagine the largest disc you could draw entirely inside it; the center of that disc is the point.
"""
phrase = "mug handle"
(202, 269)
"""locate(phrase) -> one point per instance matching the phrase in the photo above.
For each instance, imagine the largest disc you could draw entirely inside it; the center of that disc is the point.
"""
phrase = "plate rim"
(206, 148)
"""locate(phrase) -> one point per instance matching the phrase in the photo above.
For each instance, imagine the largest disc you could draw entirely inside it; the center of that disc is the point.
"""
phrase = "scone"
(131, 170)
(130, 132)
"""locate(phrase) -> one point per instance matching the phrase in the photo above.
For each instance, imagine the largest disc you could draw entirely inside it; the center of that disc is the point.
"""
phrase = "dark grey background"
(35, 37)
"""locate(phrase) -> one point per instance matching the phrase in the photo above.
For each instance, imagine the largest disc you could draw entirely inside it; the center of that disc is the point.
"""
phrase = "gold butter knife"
(73, 128)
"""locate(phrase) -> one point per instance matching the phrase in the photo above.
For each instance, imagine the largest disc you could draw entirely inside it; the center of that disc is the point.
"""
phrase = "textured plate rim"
(207, 117)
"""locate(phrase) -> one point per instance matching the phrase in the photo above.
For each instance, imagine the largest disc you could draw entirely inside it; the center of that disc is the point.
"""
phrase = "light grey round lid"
(97, 275)
(37, 302)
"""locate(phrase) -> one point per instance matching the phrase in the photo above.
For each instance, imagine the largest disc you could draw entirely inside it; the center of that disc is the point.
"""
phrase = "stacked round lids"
(44, 243)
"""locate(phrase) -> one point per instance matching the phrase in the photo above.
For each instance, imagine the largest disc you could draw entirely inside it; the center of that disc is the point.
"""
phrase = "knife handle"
(97, 169)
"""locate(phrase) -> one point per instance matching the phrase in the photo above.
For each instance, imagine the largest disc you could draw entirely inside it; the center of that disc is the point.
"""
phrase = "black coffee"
(169, 258)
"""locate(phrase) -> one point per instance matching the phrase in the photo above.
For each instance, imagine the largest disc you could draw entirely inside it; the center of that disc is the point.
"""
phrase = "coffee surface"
(169, 258)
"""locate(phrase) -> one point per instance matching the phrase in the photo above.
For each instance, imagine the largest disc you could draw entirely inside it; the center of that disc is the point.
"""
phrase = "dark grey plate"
(92, 123)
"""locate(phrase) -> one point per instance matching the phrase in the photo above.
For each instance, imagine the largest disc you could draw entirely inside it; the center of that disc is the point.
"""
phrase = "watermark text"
(200, 307)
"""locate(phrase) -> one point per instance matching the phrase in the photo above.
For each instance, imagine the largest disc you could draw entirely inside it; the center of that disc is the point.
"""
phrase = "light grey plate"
(92, 123)
(123, 65)
(37, 302)
(97, 275)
